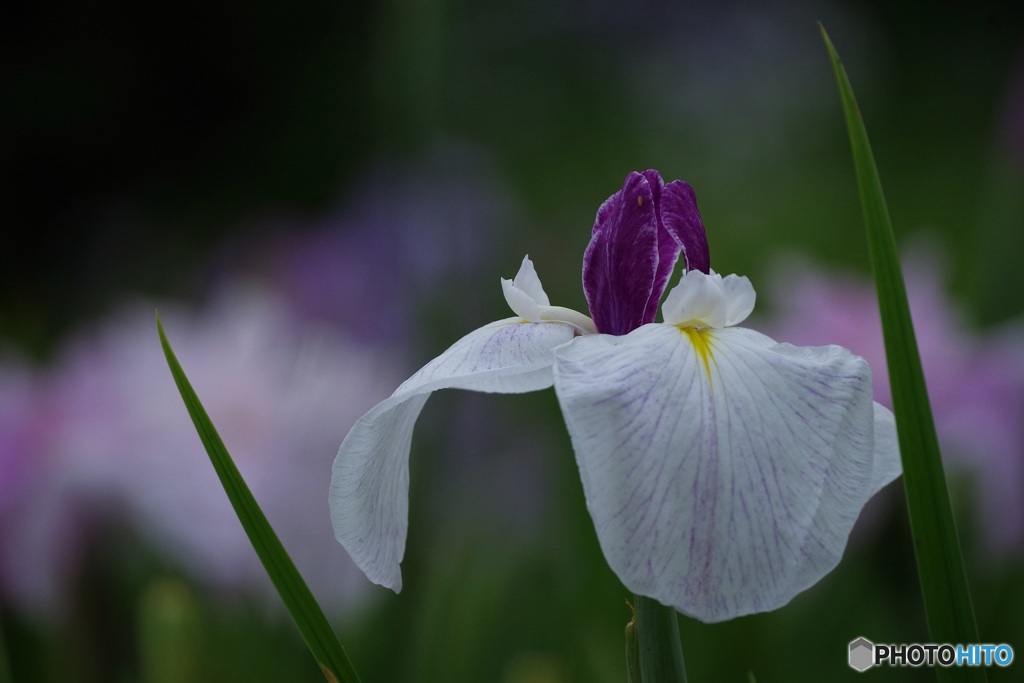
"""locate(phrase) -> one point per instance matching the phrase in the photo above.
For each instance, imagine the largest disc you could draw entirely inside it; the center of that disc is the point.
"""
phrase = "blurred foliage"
(138, 138)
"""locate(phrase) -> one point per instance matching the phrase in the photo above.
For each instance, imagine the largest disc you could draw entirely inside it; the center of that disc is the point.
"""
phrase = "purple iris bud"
(638, 236)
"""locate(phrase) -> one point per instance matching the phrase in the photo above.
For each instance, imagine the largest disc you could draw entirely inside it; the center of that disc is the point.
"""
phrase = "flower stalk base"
(660, 653)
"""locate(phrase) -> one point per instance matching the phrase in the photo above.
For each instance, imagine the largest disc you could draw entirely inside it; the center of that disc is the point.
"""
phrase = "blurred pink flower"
(118, 441)
(19, 428)
(975, 378)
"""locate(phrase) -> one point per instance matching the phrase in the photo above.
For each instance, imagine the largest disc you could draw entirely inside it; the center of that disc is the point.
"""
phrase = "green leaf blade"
(944, 587)
(308, 617)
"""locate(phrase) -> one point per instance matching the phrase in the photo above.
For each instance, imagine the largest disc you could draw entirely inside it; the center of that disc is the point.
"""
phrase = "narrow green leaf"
(947, 598)
(660, 654)
(289, 583)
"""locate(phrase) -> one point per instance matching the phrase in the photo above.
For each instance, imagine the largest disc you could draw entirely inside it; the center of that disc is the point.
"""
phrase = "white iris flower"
(723, 471)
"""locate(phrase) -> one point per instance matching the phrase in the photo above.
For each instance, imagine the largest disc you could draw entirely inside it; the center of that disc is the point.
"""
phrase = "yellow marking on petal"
(639, 201)
(700, 338)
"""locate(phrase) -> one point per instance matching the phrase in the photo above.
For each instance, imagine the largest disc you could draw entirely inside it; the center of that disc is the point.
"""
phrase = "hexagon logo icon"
(862, 654)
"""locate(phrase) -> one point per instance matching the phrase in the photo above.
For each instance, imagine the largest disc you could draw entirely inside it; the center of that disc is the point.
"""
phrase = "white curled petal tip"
(709, 300)
(525, 294)
(527, 299)
(528, 281)
(697, 301)
(369, 494)
(521, 303)
(739, 298)
(723, 471)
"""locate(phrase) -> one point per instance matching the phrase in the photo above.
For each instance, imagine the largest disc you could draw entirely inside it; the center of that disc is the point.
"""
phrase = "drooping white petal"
(887, 464)
(369, 496)
(723, 471)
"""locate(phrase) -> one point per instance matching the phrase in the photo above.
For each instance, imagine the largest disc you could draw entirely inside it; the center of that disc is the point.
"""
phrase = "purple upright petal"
(668, 248)
(677, 212)
(621, 262)
(638, 236)
(679, 228)
(656, 183)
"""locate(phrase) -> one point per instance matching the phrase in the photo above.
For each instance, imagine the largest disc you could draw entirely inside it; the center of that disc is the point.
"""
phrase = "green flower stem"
(5, 670)
(169, 633)
(657, 629)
